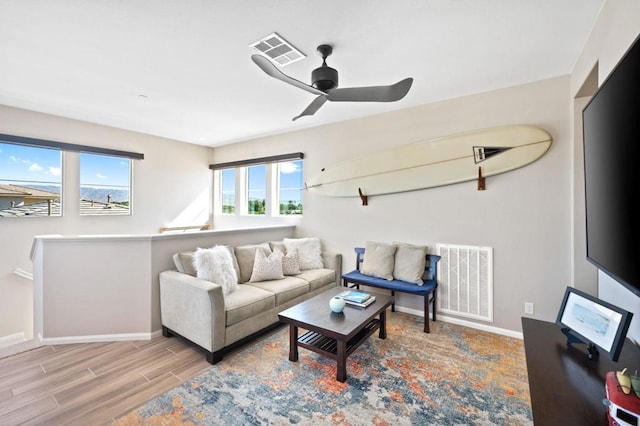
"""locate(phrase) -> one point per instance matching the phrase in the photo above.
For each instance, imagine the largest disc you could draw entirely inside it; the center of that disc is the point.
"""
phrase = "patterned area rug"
(452, 376)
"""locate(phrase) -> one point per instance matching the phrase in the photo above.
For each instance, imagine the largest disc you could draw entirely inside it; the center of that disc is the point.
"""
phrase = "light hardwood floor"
(91, 383)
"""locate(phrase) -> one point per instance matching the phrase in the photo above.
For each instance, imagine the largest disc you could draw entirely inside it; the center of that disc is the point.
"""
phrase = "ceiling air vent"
(278, 50)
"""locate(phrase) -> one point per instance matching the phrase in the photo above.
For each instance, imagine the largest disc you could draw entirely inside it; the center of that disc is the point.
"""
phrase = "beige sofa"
(199, 311)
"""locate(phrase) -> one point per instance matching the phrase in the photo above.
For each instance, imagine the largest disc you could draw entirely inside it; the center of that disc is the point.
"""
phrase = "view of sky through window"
(286, 199)
(105, 182)
(256, 189)
(27, 165)
(290, 187)
(30, 181)
(228, 191)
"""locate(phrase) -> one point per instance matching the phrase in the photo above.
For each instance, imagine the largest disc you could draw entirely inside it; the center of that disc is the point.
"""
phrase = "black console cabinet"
(567, 388)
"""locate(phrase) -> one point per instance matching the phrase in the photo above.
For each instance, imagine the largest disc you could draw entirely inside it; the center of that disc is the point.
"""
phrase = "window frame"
(109, 208)
(64, 148)
(27, 183)
(278, 188)
(222, 191)
(247, 199)
(272, 185)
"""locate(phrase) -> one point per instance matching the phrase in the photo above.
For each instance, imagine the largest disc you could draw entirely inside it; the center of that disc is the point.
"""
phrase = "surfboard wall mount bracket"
(481, 180)
(364, 198)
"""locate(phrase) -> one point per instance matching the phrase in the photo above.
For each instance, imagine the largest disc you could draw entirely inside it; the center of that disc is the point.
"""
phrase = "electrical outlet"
(528, 308)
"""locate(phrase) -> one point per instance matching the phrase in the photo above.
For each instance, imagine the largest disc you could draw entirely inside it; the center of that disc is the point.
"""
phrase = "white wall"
(615, 30)
(172, 185)
(110, 289)
(524, 215)
(584, 274)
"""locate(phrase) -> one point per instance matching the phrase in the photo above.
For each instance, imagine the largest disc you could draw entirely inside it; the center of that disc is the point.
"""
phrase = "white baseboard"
(464, 323)
(18, 347)
(12, 339)
(97, 338)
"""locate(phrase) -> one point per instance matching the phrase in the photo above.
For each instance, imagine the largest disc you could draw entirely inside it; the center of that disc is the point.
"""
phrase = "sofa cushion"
(285, 289)
(378, 260)
(396, 285)
(277, 246)
(317, 277)
(267, 268)
(184, 262)
(246, 256)
(309, 252)
(246, 302)
(410, 262)
(215, 265)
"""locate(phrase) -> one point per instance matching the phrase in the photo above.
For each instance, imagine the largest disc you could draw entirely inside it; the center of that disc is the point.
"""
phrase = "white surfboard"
(436, 162)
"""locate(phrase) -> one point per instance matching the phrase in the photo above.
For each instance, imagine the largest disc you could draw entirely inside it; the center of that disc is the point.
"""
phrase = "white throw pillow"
(378, 260)
(410, 262)
(267, 268)
(309, 252)
(290, 264)
(216, 265)
(184, 262)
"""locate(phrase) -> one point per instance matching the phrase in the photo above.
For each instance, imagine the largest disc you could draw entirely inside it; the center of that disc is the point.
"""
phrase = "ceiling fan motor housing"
(324, 78)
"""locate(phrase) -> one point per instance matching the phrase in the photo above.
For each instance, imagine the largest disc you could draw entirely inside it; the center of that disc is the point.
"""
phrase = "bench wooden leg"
(426, 313)
(393, 304)
(429, 300)
(433, 304)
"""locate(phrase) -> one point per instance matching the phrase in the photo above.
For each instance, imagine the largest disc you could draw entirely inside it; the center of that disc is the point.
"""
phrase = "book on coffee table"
(357, 298)
(364, 304)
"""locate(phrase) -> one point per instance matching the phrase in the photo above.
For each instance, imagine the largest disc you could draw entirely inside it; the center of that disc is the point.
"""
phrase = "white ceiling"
(181, 69)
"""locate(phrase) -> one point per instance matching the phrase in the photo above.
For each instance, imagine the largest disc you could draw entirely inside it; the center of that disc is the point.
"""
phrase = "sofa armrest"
(193, 308)
(333, 261)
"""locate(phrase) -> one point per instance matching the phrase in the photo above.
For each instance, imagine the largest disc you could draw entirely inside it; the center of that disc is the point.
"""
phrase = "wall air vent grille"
(277, 50)
(465, 281)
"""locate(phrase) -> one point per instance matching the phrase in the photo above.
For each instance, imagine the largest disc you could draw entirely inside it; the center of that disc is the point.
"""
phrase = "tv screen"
(611, 126)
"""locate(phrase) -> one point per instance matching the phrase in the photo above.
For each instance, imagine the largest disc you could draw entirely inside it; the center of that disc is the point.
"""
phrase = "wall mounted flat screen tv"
(611, 126)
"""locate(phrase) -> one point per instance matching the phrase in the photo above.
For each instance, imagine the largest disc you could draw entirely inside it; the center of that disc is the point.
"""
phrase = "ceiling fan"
(325, 84)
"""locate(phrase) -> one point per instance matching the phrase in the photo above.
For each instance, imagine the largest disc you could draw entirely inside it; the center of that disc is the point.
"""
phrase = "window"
(30, 181)
(290, 187)
(266, 186)
(228, 191)
(256, 189)
(105, 185)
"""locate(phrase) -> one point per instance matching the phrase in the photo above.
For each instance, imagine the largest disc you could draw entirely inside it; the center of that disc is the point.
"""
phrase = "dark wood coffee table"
(334, 335)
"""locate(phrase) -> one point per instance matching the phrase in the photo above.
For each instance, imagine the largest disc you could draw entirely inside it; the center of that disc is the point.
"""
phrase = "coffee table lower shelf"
(328, 346)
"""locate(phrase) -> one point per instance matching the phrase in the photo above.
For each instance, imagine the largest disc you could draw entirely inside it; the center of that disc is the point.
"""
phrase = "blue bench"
(355, 279)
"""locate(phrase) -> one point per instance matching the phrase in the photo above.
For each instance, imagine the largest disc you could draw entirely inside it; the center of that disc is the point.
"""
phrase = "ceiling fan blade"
(271, 70)
(313, 106)
(392, 93)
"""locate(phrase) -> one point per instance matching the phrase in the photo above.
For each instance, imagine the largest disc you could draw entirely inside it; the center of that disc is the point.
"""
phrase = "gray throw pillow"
(378, 260)
(309, 252)
(410, 262)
